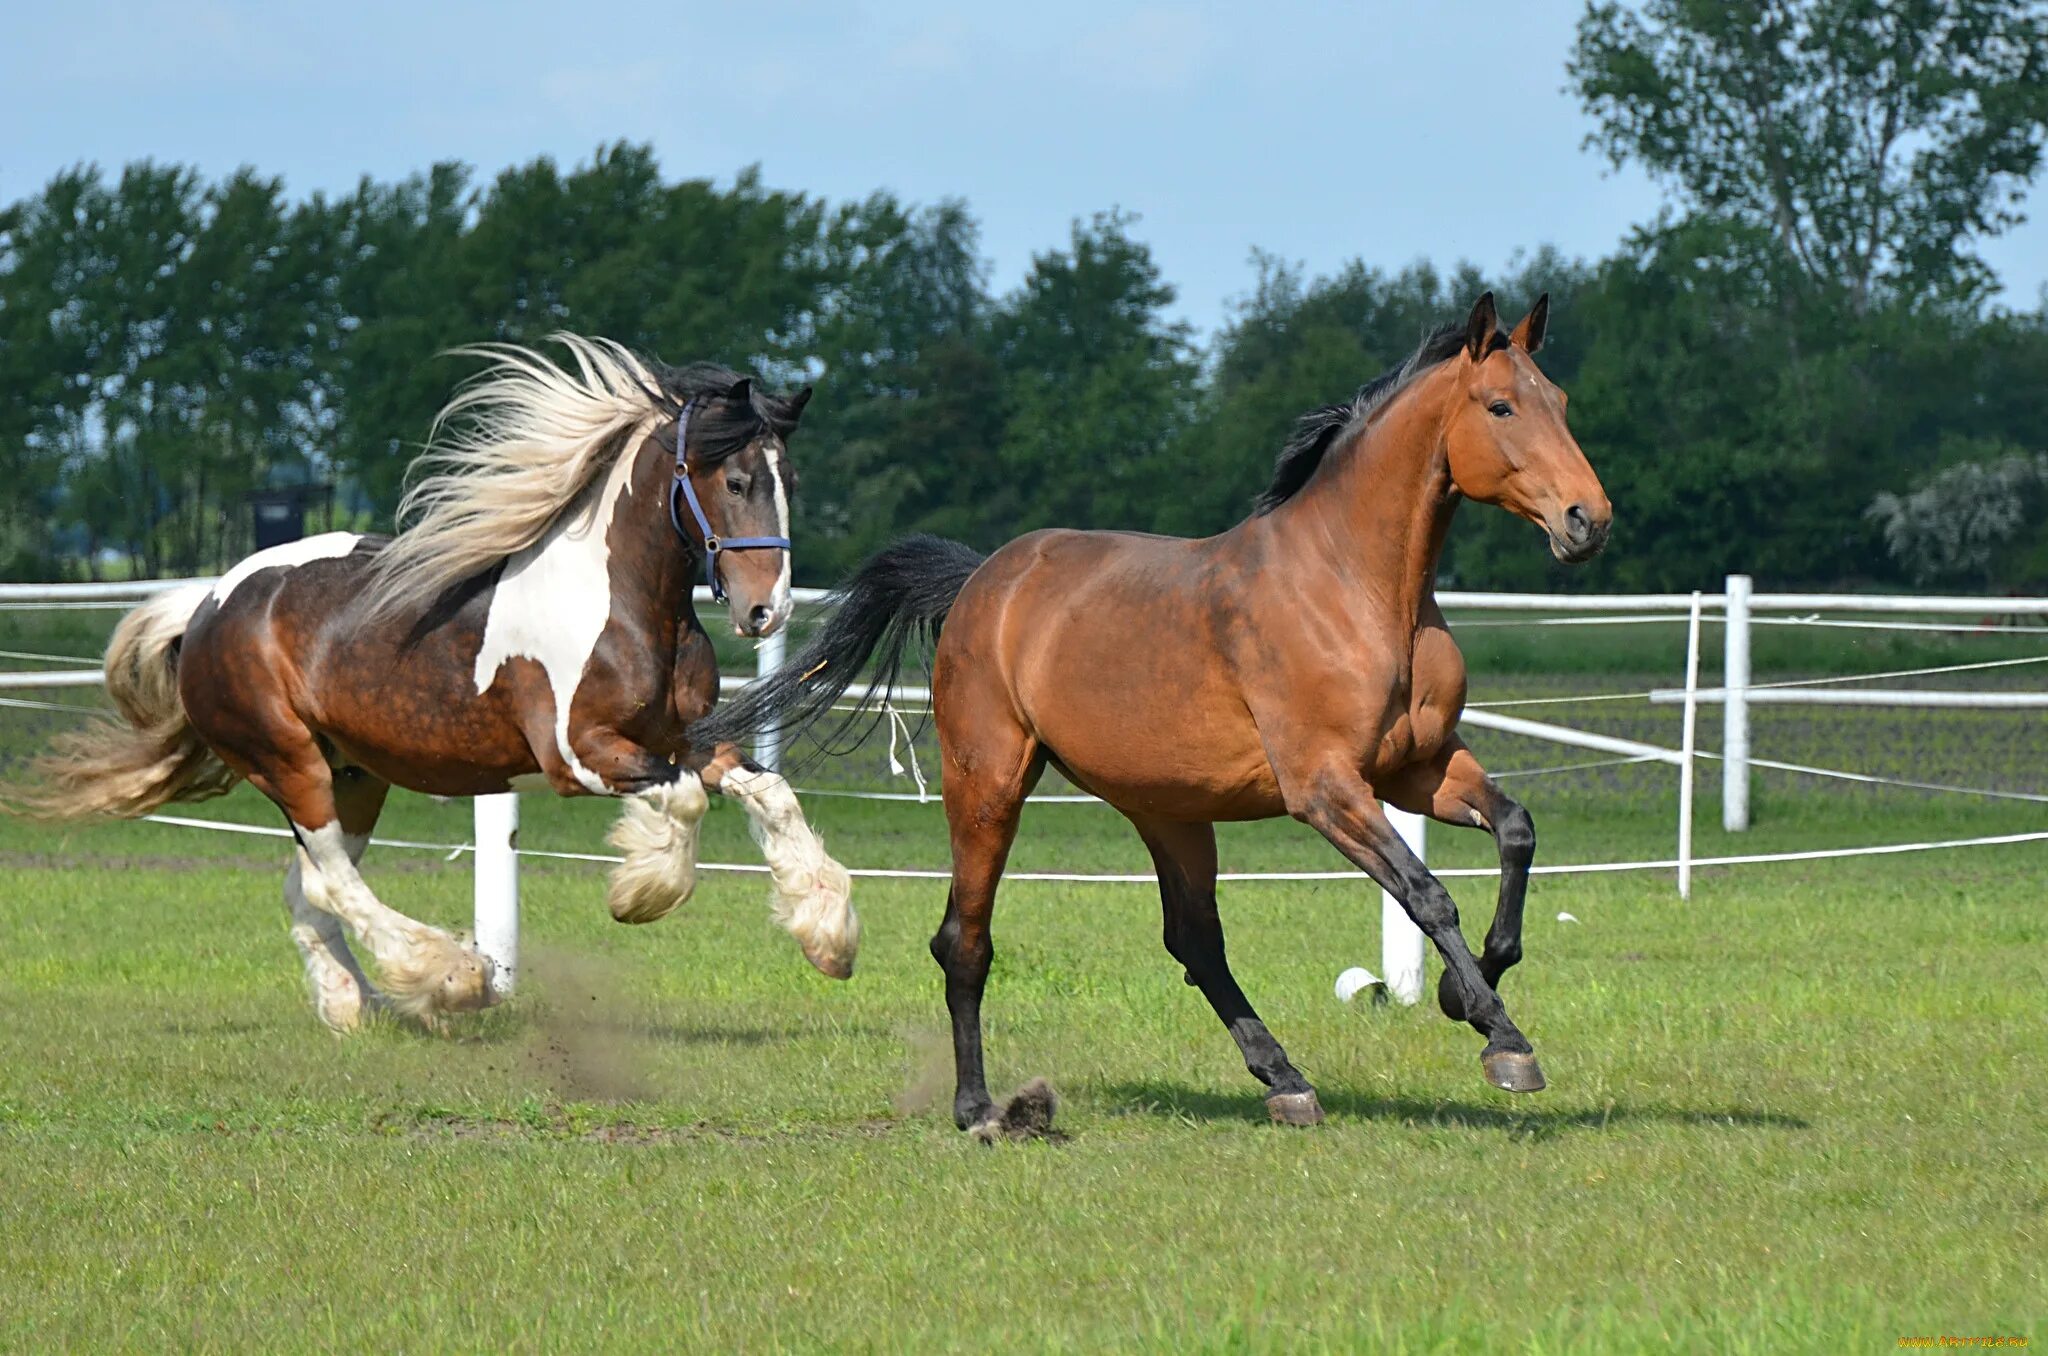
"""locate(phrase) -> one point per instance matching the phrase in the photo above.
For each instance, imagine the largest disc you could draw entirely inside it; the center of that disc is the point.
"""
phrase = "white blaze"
(780, 602)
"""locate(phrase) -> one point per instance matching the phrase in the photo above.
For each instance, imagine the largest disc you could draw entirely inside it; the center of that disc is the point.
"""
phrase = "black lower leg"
(965, 961)
(1433, 910)
(1515, 834)
(1194, 937)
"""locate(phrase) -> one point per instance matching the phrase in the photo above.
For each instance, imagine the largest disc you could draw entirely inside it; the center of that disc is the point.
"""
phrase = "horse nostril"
(1578, 524)
(758, 618)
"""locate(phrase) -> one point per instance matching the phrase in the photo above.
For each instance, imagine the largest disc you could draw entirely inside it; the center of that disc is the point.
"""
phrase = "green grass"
(1799, 1113)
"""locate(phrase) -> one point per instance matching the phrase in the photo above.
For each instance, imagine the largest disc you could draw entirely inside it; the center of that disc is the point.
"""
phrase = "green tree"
(1098, 386)
(1869, 141)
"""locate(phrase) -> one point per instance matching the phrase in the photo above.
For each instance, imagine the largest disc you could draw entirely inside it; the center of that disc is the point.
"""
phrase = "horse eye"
(736, 487)
(1501, 409)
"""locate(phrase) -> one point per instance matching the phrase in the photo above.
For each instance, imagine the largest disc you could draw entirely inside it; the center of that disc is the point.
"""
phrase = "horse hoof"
(1295, 1108)
(832, 965)
(1512, 1071)
(467, 986)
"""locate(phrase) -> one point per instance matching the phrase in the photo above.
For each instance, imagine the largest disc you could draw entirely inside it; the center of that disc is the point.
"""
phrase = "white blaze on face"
(551, 605)
(779, 602)
(325, 546)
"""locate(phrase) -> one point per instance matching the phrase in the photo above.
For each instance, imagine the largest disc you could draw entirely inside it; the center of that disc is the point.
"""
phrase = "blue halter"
(713, 543)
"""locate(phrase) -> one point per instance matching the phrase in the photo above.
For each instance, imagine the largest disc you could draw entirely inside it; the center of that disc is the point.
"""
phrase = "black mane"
(719, 428)
(1316, 432)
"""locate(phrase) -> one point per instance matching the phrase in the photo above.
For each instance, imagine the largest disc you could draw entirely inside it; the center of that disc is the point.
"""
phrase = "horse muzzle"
(1580, 533)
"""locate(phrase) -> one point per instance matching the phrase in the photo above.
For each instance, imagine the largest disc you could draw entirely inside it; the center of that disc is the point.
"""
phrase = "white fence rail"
(1737, 608)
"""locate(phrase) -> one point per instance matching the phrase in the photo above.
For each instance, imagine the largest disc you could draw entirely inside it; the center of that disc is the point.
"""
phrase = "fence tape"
(1146, 878)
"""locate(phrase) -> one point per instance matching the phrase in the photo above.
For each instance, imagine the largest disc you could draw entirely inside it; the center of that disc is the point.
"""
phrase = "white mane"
(516, 446)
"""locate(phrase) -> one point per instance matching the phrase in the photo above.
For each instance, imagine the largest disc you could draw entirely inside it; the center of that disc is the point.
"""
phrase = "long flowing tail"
(130, 769)
(899, 596)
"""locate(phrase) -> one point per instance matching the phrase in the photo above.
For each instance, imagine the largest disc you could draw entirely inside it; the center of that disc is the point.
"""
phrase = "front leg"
(657, 826)
(1335, 800)
(810, 894)
(1454, 789)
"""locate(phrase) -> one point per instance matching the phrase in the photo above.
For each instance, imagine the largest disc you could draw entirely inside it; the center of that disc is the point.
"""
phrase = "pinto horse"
(1297, 664)
(532, 628)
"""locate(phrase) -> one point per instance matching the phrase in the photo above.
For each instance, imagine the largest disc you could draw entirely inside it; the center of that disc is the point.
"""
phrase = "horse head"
(1508, 441)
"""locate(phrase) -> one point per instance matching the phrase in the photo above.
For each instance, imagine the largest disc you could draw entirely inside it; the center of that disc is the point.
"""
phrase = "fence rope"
(1966, 628)
(52, 658)
(28, 704)
(1872, 779)
(1902, 673)
(452, 850)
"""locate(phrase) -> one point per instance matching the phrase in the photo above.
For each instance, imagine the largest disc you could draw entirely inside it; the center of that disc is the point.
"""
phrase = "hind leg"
(991, 766)
(425, 971)
(809, 894)
(341, 991)
(1184, 855)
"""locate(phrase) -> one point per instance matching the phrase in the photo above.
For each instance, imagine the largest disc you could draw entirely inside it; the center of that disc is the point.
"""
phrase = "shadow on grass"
(1522, 1118)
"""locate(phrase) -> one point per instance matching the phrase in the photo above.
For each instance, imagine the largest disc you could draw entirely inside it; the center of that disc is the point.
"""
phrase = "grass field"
(1800, 1113)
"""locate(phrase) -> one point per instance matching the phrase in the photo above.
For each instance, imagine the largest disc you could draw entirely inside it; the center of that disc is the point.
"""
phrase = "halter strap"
(682, 490)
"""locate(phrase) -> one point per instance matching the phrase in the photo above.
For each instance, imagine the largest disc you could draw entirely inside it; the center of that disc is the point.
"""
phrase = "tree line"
(1782, 374)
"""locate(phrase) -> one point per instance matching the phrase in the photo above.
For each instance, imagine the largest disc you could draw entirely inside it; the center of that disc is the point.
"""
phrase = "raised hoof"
(832, 965)
(1027, 1115)
(1512, 1071)
(1295, 1108)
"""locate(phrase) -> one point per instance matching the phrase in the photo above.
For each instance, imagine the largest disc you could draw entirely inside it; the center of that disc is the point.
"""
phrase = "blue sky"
(1390, 132)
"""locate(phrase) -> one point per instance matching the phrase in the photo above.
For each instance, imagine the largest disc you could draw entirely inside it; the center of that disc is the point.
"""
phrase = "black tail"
(900, 595)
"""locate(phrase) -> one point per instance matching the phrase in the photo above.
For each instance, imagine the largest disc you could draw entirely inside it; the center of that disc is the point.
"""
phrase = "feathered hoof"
(657, 832)
(637, 895)
(1027, 1115)
(1295, 1108)
(1512, 1070)
(441, 977)
(822, 920)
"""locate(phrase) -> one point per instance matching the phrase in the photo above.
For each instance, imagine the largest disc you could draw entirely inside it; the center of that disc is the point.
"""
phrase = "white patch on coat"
(551, 605)
(325, 546)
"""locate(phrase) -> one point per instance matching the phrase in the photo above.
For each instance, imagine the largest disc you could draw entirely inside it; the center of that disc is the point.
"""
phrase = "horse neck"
(1378, 510)
(652, 570)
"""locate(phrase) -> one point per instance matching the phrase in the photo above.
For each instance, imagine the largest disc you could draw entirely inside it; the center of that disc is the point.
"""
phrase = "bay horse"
(1297, 664)
(533, 627)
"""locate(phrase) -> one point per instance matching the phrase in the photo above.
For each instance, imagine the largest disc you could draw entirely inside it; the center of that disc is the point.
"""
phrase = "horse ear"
(741, 392)
(1528, 335)
(1480, 327)
(797, 403)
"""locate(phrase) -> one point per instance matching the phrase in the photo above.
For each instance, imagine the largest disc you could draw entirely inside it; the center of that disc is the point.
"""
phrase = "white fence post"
(1685, 750)
(767, 659)
(497, 885)
(1735, 707)
(1400, 939)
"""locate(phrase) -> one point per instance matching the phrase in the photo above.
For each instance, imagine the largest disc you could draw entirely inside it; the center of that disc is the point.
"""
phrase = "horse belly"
(1150, 738)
